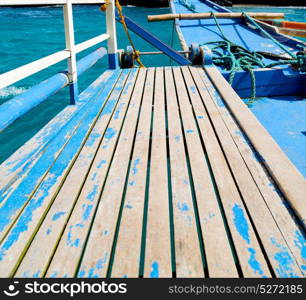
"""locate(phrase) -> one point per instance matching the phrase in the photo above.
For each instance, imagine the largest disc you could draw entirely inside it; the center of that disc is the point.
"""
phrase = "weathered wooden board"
(187, 245)
(130, 232)
(219, 256)
(158, 236)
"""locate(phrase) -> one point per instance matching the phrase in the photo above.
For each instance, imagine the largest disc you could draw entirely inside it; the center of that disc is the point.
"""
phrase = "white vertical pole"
(111, 30)
(70, 45)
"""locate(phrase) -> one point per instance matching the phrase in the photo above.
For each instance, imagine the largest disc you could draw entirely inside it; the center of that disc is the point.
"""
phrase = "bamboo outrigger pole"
(193, 16)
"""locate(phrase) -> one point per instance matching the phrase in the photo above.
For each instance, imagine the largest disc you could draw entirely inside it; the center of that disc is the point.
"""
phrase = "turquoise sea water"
(27, 34)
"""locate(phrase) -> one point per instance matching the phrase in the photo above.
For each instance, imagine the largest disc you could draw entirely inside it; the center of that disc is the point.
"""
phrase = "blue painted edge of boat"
(13, 109)
(269, 82)
(113, 62)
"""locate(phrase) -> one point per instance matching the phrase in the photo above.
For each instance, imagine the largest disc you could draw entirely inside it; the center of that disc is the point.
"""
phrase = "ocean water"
(27, 34)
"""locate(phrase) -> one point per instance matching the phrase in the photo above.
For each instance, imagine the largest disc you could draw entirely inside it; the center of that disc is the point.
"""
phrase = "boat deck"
(159, 172)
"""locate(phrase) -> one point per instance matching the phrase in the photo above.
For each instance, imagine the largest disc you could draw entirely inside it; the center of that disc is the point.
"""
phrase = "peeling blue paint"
(91, 195)
(132, 183)
(36, 275)
(108, 107)
(182, 206)
(101, 163)
(56, 216)
(189, 130)
(48, 231)
(118, 111)
(193, 89)
(128, 206)
(241, 222)
(177, 138)
(284, 260)
(87, 212)
(110, 133)
(218, 99)
(70, 242)
(54, 274)
(92, 273)
(155, 272)
(200, 117)
(136, 163)
(82, 273)
(285, 263)
(92, 138)
(254, 263)
(300, 242)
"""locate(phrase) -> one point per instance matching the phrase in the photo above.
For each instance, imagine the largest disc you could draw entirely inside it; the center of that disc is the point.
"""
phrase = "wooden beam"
(197, 16)
(293, 32)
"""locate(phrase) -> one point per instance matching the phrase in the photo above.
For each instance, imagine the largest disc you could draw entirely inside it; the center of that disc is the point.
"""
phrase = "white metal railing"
(71, 50)
(47, 2)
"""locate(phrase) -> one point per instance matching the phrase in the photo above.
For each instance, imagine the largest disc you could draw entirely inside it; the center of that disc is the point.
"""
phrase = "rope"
(236, 58)
(122, 21)
(268, 35)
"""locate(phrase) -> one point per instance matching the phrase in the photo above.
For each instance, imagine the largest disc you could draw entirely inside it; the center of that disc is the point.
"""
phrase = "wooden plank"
(40, 198)
(291, 183)
(271, 238)
(13, 203)
(68, 253)
(218, 252)
(209, 15)
(291, 232)
(128, 246)
(19, 163)
(251, 259)
(158, 240)
(187, 245)
(94, 263)
(50, 231)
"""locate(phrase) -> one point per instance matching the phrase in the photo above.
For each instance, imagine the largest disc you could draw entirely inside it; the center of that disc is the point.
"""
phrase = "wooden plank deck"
(159, 174)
